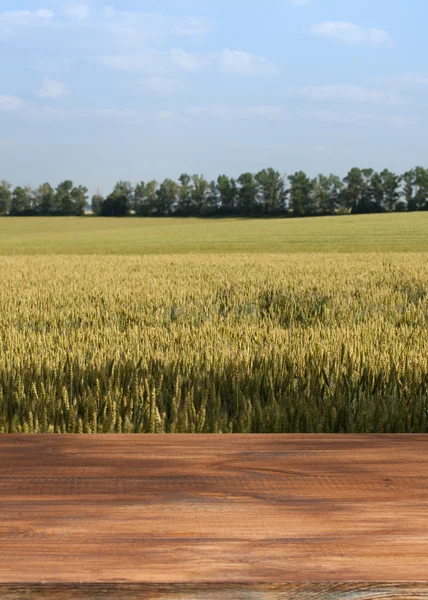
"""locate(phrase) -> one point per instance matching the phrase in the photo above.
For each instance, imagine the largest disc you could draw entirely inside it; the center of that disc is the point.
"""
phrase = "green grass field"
(347, 234)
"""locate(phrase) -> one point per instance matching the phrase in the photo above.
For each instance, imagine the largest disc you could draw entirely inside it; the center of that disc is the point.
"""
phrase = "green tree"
(64, 203)
(79, 197)
(409, 189)
(21, 202)
(301, 195)
(126, 190)
(421, 193)
(146, 199)
(45, 201)
(96, 204)
(327, 194)
(115, 206)
(353, 193)
(199, 194)
(185, 201)
(5, 197)
(228, 195)
(376, 195)
(367, 201)
(365, 189)
(212, 202)
(391, 189)
(272, 192)
(119, 202)
(167, 197)
(247, 194)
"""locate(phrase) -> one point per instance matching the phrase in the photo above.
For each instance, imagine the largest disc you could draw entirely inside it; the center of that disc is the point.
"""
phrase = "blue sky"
(134, 90)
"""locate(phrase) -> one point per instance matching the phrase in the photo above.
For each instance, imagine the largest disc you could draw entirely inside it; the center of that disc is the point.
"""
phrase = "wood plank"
(319, 517)
(355, 591)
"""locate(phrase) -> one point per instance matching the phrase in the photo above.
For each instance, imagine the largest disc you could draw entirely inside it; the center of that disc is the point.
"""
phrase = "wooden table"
(214, 517)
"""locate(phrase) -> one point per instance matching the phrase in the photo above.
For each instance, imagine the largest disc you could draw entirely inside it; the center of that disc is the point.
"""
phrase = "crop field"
(214, 342)
(136, 236)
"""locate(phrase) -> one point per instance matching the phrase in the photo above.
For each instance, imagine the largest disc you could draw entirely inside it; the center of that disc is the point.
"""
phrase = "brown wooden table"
(192, 517)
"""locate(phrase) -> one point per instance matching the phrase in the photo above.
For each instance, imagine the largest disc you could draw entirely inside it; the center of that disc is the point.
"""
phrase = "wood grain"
(260, 517)
(216, 592)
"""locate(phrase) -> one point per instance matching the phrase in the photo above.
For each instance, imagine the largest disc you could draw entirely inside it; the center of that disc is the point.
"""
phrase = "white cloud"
(82, 114)
(193, 26)
(81, 12)
(161, 85)
(115, 113)
(164, 115)
(186, 61)
(162, 64)
(44, 14)
(347, 93)
(109, 114)
(120, 31)
(10, 103)
(12, 22)
(243, 63)
(405, 79)
(283, 147)
(26, 17)
(332, 116)
(51, 89)
(149, 61)
(134, 29)
(349, 33)
(265, 112)
(235, 112)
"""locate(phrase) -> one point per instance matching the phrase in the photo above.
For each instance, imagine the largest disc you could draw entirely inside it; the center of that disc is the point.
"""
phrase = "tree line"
(266, 193)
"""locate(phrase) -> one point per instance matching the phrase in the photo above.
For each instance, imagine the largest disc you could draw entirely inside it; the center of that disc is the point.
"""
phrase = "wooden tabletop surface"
(260, 517)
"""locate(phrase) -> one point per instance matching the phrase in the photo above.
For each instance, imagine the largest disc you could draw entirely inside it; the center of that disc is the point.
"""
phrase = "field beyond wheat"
(214, 343)
(406, 232)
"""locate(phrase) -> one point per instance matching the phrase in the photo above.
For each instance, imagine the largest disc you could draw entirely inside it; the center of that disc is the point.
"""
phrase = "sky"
(135, 90)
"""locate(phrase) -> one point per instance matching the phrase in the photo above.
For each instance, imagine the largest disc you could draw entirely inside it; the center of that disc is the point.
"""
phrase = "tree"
(5, 197)
(301, 197)
(64, 204)
(228, 195)
(185, 202)
(409, 189)
(146, 199)
(115, 206)
(45, 200)
(352, 194)
(199, 194)
(79, 197)
(97, 201)
(167, 196)
(125, 189)
(421, 193)
(212, 202)
(326, 192)
(366, 201)
(376, 194)
(391, 189)
(247, 194)
(21, 202)
(263, 193)
(271, 191)
(119, 202)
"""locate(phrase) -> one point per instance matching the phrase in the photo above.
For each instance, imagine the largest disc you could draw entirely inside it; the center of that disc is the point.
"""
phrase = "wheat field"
(214, 343)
